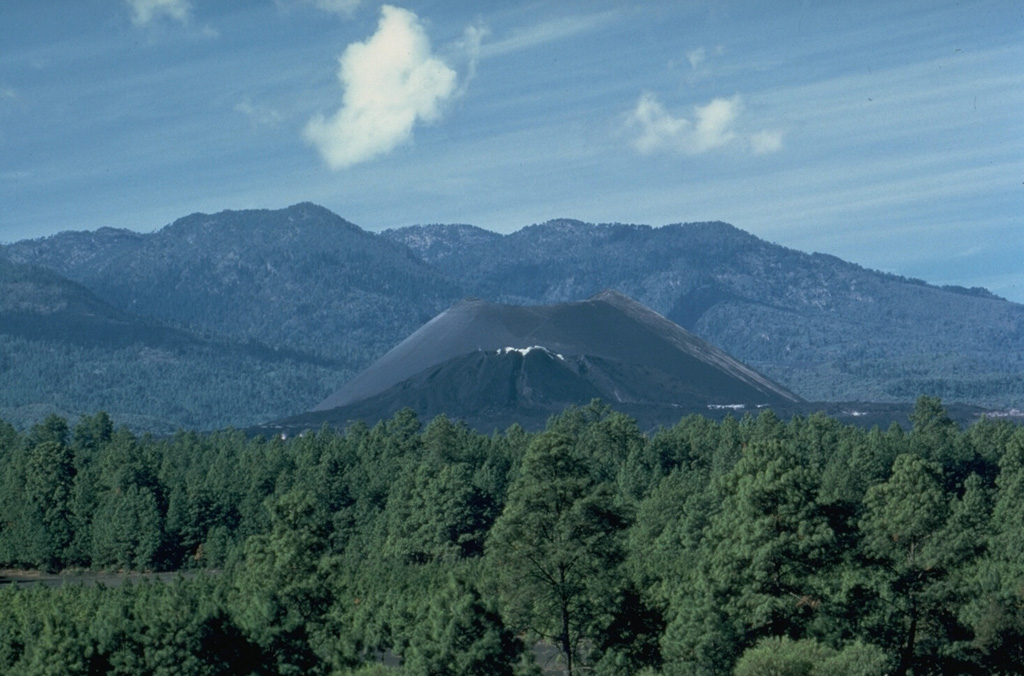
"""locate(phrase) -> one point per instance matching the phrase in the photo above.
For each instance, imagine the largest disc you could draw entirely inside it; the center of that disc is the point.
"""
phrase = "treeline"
(750, 546)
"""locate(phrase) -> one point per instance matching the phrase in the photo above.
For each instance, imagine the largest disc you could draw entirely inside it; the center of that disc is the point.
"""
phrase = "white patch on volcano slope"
(526, 350)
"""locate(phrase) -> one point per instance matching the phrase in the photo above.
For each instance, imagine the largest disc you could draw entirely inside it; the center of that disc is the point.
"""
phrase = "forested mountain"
(63, 350)
(303, 279)
(38, 303)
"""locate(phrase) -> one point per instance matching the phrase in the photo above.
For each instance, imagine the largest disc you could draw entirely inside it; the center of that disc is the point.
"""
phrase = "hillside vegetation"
(63, 350)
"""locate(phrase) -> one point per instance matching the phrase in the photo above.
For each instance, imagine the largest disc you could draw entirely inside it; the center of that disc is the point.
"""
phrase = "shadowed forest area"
(747, 546)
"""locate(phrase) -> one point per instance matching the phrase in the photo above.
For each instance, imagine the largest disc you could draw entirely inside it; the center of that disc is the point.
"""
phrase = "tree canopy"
(747, 546)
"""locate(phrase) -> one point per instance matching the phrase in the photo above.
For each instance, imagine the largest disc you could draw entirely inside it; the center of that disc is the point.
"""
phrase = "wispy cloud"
(392, 81)
(764, 142)
(548, 31)
(701, 62)
(710, 127)
(466, 52)
(697, 57)
(259, 116)
(146, 11)
(343, 7)
(971, 251)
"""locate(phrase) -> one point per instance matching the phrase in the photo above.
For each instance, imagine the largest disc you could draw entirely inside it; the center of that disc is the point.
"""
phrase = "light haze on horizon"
(889, 134)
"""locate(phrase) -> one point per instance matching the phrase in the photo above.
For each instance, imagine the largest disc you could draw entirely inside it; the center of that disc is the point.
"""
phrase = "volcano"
(492, 365)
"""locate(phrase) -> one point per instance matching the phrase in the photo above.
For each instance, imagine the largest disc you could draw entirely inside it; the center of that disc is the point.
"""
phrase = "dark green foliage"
(282, 589)
(459, 634)
(996, 614)
(435, 514)
(782, 656)
(750, 546)
(758, 566)
(151, 628)
(127, 529)
(557, 546)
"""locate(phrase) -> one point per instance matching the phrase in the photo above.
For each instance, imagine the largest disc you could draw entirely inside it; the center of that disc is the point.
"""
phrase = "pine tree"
(49, 481)
(903, 526)
(761, 563)
(997, 613)
(557, 547)
(283, 588)
(457, 633)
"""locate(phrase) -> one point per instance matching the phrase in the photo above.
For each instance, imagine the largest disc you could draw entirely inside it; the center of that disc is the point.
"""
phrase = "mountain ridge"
(223, 274)
(306, 280)
(811, 321)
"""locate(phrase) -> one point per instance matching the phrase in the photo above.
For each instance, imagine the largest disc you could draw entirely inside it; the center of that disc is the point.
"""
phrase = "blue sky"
(890, 134)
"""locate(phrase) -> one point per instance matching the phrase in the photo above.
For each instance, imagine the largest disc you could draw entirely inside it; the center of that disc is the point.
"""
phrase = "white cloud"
(714, 124)
(657, 128)
(392, 81)
(711, 126)
(144, 11)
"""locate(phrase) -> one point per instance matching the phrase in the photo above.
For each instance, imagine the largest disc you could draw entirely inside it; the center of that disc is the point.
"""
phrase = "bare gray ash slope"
(608, 326)
(495, 365)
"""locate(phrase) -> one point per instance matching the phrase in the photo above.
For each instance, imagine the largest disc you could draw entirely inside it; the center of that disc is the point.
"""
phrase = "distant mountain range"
(280, 308)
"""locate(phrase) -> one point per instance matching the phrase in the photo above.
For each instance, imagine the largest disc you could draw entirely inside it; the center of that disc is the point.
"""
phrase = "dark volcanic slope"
(610, 345)
(488, 390)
